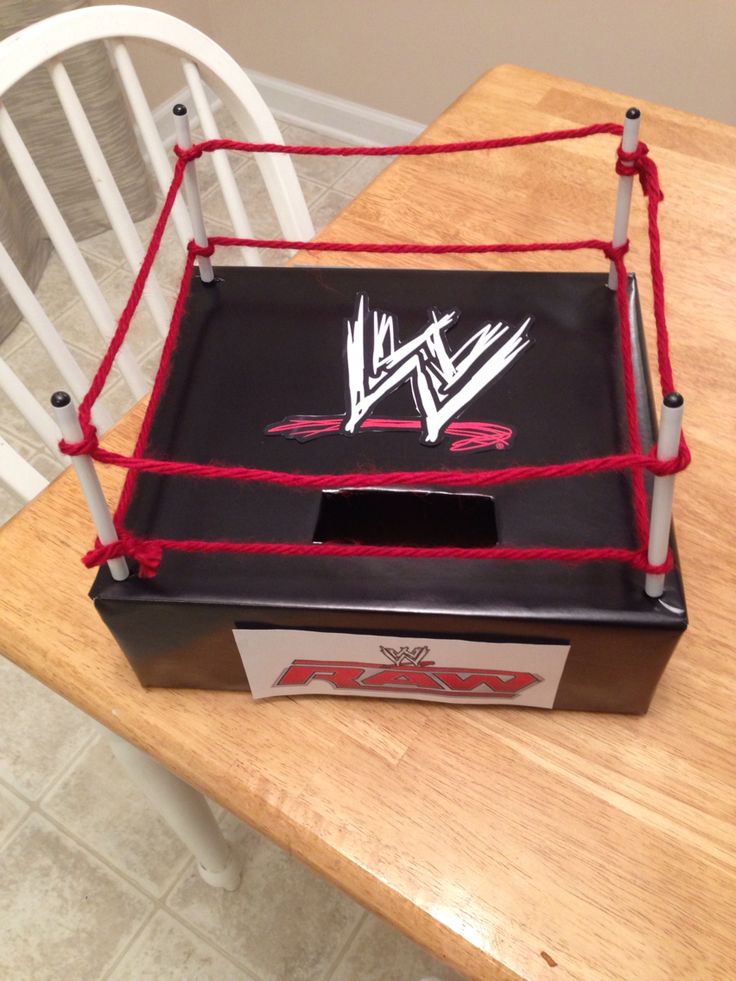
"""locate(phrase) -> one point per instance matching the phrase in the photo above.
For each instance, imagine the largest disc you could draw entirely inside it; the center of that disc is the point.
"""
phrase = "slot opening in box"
(383, 516)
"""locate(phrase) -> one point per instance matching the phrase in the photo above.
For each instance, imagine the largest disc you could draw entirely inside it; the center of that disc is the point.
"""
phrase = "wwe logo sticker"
(443, 382)
(403, 655)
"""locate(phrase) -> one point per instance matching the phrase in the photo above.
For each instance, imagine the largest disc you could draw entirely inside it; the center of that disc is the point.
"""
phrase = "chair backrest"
(203, 61)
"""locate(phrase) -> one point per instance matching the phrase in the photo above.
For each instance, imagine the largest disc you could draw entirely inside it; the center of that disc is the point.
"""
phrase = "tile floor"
(94, 885)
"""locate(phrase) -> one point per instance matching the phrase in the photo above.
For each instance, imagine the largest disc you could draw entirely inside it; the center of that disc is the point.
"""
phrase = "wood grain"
(506, 839)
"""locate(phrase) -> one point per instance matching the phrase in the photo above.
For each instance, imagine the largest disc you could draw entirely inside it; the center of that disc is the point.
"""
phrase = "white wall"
(413, 57)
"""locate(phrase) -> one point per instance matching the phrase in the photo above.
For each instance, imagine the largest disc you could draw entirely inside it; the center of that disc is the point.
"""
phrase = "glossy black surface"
(267, 343)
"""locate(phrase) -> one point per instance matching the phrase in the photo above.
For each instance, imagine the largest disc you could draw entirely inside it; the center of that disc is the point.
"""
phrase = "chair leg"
(185, 811)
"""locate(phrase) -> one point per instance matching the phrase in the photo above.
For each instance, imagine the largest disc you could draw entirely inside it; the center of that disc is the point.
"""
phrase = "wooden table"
(505, 840)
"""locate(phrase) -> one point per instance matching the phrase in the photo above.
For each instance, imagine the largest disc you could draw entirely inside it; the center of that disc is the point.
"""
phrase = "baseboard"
(336, 118)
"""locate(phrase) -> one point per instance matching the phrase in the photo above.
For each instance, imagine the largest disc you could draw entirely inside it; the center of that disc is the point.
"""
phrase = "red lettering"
(409, 679)
(347, 676)
(302, 674)
(507, 682)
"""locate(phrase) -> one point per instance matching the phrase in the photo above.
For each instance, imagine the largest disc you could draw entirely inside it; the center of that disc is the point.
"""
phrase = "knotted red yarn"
(639, 162)
(204, 250)
(86, 446)
(145, 552)
(148, 553)
(188, 154)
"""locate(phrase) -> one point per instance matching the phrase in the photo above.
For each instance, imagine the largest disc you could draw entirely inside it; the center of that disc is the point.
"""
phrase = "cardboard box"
(266, 348)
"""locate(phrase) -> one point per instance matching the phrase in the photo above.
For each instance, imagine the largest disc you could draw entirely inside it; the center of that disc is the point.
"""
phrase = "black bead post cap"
(674, 400)
(60, 399)
(632, 113)
(179, 109)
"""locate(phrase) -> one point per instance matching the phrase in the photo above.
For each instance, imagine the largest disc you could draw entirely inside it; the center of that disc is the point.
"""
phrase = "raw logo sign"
(443, 382)
(436, 669)
(410, 673)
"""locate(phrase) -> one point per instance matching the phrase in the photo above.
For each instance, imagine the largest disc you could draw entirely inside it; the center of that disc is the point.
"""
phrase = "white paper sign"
(310, 662)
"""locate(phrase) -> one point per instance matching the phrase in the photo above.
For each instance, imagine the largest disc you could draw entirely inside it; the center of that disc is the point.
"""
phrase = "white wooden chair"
(45, 43)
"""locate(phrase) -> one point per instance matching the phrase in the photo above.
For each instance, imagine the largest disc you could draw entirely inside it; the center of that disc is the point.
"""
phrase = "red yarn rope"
(164, 368)
(641, 517)
(402, 149)
(148, 552)
(396, 478)
(411, 248)
(98, 382)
